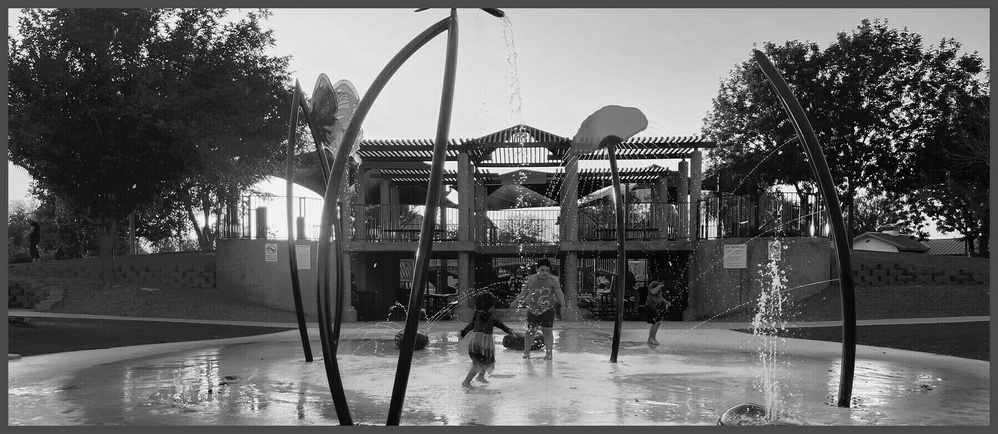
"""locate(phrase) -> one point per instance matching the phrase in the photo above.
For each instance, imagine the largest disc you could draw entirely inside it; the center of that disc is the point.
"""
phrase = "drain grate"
(480, 391)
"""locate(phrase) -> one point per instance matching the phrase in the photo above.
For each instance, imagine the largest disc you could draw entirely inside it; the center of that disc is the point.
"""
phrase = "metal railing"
(721, 216)
(769, 214)
(265, 217)
(522, 226)
(399, 223)
(644, 220)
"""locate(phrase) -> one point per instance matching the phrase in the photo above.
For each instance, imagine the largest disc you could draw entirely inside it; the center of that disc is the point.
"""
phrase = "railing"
(522, 226)
(770, 214)
(400, 223)
(721, 216)
(259, 217)
(645, 221)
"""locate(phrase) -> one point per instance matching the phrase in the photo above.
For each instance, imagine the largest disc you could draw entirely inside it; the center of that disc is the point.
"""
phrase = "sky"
(551, 68)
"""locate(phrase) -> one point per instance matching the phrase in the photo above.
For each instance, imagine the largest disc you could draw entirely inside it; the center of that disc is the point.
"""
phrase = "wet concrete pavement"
(693, 377)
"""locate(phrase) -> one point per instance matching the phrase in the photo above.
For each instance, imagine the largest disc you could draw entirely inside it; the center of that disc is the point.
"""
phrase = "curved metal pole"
(330, 237)
(827, 186)
(292, 257)
(621, 278)
(319, 139)
(422, 264)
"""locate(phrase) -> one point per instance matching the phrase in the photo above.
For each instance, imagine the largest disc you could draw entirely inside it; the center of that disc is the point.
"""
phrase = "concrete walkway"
(698, 372)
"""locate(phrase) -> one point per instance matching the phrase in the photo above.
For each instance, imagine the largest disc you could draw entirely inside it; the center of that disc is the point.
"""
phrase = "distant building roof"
(948, 246)
(904, 243)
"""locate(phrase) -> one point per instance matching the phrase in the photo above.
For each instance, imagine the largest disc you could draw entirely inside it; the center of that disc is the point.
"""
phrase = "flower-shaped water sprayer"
(606, 128)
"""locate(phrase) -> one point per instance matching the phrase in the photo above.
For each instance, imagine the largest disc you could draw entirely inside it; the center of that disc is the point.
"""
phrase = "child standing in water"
(477, 338)
(542, 293)
(658, 309)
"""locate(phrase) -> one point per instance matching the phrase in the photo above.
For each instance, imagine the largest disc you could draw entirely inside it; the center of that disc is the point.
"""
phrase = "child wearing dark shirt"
(658, 309)
(477, 338)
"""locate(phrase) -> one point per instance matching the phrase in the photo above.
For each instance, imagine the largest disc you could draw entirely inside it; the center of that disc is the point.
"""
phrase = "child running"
(477, 338)
(542, 294)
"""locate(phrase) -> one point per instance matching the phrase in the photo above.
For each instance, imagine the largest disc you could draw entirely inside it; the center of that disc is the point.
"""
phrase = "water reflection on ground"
(269, 383)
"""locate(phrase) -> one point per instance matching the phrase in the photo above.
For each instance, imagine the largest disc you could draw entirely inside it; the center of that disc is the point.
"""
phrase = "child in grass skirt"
(476, 339)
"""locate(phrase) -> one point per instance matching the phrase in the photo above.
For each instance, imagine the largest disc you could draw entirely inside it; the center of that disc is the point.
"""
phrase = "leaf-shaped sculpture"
(347, 101)
(324, 107)
(612, 120)
(333, 106)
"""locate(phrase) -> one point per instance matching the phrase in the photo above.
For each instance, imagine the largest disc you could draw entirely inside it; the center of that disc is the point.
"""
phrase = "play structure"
(334, 118)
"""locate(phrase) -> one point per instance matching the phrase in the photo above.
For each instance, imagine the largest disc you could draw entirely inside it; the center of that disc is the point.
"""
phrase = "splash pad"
(691, 379)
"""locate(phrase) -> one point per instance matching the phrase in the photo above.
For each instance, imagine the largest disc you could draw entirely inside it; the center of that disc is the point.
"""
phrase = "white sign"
(775, 250)
(303, 253)
(736, 256)
(271, 251)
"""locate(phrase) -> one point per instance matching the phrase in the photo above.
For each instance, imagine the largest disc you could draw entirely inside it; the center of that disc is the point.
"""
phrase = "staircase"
(23, 294)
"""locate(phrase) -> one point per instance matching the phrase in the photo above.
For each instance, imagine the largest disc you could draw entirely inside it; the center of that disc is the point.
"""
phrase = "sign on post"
(736, 256)
(271, 252)
(303, 253)
(775, 250)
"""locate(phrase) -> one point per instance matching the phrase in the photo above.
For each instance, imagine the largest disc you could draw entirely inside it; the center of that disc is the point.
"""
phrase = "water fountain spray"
(607, 128)
(820, 168)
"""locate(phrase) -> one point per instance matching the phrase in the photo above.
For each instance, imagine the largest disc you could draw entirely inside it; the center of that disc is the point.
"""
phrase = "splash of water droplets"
(515, 101)
(768, 323)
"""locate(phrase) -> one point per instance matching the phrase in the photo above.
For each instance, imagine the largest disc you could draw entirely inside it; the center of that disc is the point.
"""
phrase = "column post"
(694, 311)
(685, 229)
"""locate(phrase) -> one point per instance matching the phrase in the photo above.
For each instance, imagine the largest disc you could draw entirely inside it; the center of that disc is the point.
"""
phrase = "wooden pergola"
(392, 175)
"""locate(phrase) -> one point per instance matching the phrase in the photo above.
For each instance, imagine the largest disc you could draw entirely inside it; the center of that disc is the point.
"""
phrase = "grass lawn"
(969, 339)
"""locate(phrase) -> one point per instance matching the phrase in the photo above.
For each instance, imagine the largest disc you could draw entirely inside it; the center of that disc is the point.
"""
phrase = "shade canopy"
(516, 196)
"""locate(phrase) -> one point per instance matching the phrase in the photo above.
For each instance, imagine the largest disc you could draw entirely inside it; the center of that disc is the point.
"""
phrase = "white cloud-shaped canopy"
(612, 120)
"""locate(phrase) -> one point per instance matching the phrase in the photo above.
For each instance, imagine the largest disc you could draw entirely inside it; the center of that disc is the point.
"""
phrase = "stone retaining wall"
(185, 269)
(886, 268)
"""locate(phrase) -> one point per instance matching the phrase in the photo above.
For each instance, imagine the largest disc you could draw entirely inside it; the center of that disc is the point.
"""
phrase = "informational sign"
(775, 250)
(271, 252)
(303, 253)
(736, 256)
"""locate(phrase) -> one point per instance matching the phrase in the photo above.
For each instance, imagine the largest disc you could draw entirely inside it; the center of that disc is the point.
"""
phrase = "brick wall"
(882, 268)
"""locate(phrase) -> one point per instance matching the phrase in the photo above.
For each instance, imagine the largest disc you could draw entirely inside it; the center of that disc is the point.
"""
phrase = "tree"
(876, 210)
(112, 109)
(871, 80)
(875, 98)
(519, 228)
(955, 189)
(215, 66)
(756, 144)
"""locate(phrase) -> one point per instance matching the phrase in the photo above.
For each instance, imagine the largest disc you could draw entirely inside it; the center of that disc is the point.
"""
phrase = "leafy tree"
(215, 66)
(871, 83)
(756, 144)
(954, 190)
(112, 109)
(874, 211)
(519, 228)
(875, 98)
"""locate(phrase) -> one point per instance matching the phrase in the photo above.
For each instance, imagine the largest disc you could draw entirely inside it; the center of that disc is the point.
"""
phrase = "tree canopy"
(881, 104)
(111, 110)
